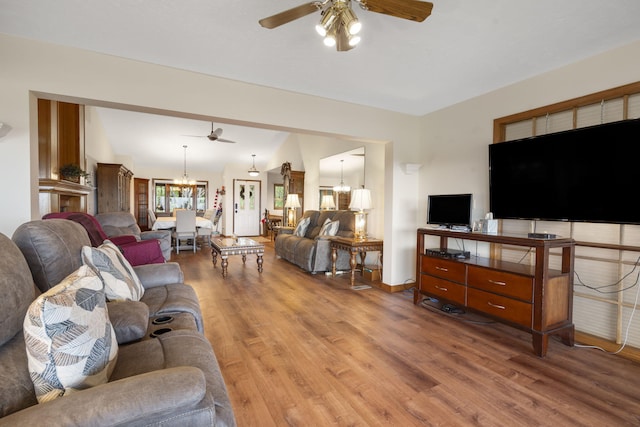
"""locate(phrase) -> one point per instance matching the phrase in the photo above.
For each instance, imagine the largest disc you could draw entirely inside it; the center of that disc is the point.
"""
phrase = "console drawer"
(501, 282)
(496, 305)
(442, 288)
(446, 269)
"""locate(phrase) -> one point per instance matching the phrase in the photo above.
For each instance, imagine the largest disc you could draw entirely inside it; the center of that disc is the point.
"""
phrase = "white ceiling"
(464, 49)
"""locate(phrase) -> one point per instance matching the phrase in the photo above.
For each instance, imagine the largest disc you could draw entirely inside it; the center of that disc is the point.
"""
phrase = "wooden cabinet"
(114, 187)
(534, 298)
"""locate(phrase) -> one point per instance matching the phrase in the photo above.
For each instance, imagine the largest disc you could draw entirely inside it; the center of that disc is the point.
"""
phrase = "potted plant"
(72, 172)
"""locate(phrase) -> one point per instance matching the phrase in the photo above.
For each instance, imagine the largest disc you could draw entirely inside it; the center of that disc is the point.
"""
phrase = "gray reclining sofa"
(312, 252)
(154, 380)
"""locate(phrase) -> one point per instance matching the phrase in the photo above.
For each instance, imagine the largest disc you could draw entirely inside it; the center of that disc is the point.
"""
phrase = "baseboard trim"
(631, 353)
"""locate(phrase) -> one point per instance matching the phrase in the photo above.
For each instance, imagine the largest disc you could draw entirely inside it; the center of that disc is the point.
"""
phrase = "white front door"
(246, 208)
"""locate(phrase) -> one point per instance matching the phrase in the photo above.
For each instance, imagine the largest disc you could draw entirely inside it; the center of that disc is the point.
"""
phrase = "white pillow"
(302, 226)
(70, 342)
(120, 280)
(329, 228)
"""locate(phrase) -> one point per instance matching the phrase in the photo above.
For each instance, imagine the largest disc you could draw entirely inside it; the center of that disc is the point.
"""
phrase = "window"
(605, 254)
(169, 196)
(278, 196)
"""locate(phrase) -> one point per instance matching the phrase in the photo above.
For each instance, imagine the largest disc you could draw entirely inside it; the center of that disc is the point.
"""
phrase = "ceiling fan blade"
(413, 10)
(225, 140)
(290, 14)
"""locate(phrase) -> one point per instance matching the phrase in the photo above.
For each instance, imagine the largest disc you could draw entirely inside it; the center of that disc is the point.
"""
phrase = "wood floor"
(305, 350)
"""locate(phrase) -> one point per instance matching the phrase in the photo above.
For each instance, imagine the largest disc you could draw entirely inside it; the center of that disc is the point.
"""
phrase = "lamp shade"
(360, 199)
(292, 201)
(327, 202)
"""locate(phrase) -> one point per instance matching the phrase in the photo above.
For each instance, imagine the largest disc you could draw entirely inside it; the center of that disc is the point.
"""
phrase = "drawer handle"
(439, 288)
(442, 268)
(501, 307)
(497, 283)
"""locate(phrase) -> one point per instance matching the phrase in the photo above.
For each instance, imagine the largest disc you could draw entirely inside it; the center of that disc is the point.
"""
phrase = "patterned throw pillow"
(69, 339)
(302, 226)
(120, 280)
(329, 228)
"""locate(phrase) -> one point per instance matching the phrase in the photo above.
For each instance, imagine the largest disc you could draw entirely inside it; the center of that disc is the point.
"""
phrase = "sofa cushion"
(69, 339)
(120, 280)
(142, 252)
(16, 288)
(52, 249)
(301, 228)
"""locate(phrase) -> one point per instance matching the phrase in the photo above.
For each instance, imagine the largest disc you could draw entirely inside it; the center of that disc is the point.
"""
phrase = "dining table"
(169, 222)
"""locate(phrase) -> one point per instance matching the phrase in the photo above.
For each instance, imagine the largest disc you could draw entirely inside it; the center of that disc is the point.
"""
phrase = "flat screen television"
(590, 174)
(449, 210)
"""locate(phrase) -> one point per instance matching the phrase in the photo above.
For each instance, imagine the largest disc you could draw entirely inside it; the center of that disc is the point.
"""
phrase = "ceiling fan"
(338, 23)
(214, 136)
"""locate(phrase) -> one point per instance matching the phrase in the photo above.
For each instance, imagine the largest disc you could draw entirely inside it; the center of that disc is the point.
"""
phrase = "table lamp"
(327, 202)
(292, 203)
(360, 200)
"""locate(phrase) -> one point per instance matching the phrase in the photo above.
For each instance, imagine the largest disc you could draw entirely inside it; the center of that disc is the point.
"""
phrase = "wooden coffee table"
(227, 246)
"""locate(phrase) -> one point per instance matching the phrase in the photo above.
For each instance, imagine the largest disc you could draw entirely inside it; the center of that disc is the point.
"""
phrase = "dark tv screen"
(449, 210)
(589, 174)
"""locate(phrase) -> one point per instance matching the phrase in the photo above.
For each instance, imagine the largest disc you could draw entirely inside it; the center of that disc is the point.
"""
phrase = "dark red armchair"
(137, 252)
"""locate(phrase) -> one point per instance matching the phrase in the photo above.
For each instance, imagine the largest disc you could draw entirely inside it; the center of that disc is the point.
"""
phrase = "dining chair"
(185, 228)
(152, 218)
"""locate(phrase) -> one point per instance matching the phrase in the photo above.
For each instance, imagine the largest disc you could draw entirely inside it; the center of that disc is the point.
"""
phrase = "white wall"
(455, 151)
(450, 144)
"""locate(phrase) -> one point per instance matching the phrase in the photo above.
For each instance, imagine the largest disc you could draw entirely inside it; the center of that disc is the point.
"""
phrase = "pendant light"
(341, 188)
(185, 176)
(253, 171)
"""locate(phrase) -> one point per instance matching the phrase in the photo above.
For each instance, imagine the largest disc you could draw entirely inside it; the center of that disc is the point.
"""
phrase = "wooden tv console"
(534, 298)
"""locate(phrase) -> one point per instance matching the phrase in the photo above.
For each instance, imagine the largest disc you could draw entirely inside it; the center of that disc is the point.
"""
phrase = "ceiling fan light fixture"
(350, 21)
(253, 171)
(330, 38)
(326, 22)
(354, 40)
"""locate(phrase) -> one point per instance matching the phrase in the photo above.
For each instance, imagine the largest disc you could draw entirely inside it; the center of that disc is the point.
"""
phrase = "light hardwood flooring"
(298, 349)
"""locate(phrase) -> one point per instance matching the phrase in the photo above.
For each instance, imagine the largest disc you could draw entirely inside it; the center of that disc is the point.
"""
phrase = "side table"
(354, 247)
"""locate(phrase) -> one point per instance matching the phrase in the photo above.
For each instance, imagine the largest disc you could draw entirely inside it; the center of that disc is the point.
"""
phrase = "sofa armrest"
(120, 402)
(129, 319)
(286, 230)
(152, 275)
(155, 234)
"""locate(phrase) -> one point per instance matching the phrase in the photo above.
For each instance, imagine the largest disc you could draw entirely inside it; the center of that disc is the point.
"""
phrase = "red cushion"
(143, 252)
(123, 239)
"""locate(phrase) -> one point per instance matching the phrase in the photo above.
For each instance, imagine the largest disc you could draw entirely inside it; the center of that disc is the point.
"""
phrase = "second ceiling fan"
(338, 23)
(214, 136)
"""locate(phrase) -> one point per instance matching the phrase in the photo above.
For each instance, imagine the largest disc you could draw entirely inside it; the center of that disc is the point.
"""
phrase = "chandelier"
(341, 188)
(339, 25)
(185, 176)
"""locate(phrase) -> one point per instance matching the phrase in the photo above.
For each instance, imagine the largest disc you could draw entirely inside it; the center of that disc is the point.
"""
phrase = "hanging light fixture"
(185, 176)
(253, 171)
(339, 25)
(341, 188)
